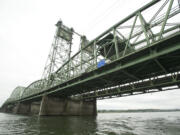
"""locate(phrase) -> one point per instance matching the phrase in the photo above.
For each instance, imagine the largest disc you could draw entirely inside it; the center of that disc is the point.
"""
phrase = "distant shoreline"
(138, 110)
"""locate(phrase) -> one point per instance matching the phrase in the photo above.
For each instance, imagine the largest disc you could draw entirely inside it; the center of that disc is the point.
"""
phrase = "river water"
(154, 123)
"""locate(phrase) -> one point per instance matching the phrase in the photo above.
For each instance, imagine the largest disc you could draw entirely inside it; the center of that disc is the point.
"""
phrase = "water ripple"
(104, 124)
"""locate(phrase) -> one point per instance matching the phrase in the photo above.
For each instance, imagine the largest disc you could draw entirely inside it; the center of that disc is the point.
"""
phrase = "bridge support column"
(58, 106)
(4, 109)
(35, 106)
(7, 108)
(22, 108)
(16, 108)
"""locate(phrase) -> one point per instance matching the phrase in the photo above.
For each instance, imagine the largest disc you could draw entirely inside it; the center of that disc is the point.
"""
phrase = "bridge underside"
(138, 70)
(148, 70)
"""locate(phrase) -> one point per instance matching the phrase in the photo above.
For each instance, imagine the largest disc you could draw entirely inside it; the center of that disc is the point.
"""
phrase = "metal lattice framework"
(140, 54)
(16, 94)
(128, 36)
(33, 88)
(149, 85)
(122, 39)
(60, 52)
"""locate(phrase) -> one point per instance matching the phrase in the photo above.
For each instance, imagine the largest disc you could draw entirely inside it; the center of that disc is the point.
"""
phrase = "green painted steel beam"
(165, 19)
(127, 18)
(120, 67)
(118, 91)
(161, 66)
(115, 43)
(130, 75)
(144, 28)
(114, 26)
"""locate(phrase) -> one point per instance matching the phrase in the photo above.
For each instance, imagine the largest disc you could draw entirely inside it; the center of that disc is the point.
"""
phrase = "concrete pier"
(56, 106)
(22, 108)
(8, 108)
(35, 108)
(53, 106)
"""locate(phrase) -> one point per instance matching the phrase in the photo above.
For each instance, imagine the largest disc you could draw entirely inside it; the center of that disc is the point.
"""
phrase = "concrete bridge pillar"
(22, 108)
(35, 107)
(4, 109)
(58, 106)
(16, 108)
(8, 108)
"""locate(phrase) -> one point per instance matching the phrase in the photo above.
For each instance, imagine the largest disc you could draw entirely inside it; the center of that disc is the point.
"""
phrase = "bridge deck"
(160, 58)
(145, 63)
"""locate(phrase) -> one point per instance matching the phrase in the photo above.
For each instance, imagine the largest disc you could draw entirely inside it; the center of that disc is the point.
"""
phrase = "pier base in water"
(56, 106)
(52, 106)
(22, 108)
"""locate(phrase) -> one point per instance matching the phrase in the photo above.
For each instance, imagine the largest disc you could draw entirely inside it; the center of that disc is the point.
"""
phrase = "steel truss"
(134, 49)
(113, 44)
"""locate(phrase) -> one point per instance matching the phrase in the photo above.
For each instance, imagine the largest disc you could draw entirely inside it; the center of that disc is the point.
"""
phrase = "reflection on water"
(161, 123)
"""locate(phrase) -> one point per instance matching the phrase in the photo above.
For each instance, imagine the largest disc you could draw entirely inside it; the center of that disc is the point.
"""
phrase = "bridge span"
(138, 55)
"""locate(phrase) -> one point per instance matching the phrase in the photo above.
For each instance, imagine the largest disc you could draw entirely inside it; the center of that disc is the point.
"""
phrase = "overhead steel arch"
(16, 94)
(33, 88)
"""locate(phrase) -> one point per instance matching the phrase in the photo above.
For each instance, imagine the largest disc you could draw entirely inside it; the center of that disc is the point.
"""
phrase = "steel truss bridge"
(140, 54)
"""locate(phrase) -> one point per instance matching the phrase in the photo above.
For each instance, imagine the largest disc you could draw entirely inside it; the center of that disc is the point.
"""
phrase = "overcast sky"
(26, 33)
